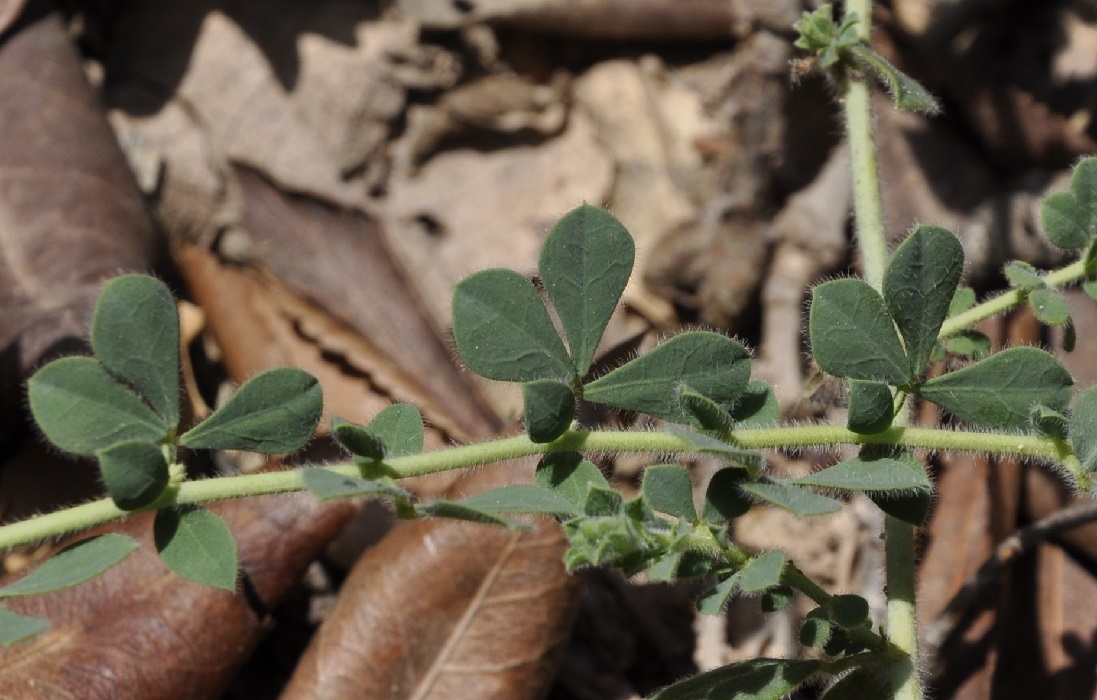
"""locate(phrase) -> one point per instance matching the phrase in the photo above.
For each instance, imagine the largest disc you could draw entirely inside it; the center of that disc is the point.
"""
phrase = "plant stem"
(902, 630)
(611, 441)
(872, 242)
(868, 210)
(1009, 299)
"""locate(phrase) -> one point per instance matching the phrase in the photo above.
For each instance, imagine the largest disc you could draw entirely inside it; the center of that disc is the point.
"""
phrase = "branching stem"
(1009, 299)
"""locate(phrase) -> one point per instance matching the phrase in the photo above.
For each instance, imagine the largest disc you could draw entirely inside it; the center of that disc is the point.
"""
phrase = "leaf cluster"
(837, 46)
(121, 406)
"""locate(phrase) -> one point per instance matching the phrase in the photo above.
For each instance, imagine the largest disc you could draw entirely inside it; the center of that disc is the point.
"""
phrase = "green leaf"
(616, 539)
(906, 92)
(521, 498)
(135, 334)
(871, 407)
(999, 391)
(1049, 423)
(968, 344)
(919, 285)
(756, 679)
(853, 335)
(455, 510)
(861, 683)
(134, 471)
(400, 427)
(585, 264)
(273, 412)
(1083, 428)
(197, 545)
(816, 629)
(777, 599)
(549, 409)
(715, 600)
(723, 499)
(792, 498)
(81, 408)
(15, 627)
(701, 411)
(1049, 306)
(819, 34)
(694, 564)
(325, 484)
(848, 610)
(816, 30)
(1070, 218)
(962, 300)
(1090, 288)
(1070, 336)
(712, 364)
(602, 502)
(1024, 276)
(72, 565)
(1083, 183)
(569, 476)
(669, 489)
(1066, 224)
(397, 430)
(757, 406)
(762, 572)
(503, 330)
(911, 508)
(357, 440)
(868, 472)
(751, 460)
(665, 569)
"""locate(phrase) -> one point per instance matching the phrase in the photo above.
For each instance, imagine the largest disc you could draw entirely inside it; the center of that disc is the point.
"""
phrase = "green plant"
(878, 334)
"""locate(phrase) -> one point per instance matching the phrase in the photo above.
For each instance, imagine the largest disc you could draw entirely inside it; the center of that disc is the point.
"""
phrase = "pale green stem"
(902, 629)
(609, 441)
(1009, 299)
(868, 210)
(872, 242)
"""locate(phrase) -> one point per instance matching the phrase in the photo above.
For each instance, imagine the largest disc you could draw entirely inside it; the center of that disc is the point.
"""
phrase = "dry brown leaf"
(139, 631)
(71, 214)
(305, 95)
(603, 19)
(447, 610)
(329, 278)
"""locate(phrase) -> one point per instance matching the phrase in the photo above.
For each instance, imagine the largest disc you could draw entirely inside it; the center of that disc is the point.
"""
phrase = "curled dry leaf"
(71, 212)
(321, 292)
(447, 610)
(139, 631)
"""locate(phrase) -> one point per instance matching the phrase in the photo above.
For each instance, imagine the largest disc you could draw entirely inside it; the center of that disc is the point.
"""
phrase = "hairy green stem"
(1009, 299)
(868, 210)
(608, 441)
(872, 242)
(902, 630)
